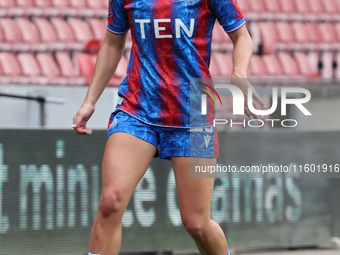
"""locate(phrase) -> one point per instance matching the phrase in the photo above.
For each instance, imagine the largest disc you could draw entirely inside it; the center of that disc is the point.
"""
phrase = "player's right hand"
(81, 118)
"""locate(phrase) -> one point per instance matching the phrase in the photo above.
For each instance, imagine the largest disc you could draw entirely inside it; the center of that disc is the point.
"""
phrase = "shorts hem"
(119, 131)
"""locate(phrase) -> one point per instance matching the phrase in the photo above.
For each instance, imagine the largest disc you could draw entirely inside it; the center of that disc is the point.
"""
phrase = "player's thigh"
(126, 159)
(194, 194)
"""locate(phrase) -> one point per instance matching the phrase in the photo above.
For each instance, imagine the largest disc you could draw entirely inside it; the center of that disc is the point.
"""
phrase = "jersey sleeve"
(117, 18)
(228, 14)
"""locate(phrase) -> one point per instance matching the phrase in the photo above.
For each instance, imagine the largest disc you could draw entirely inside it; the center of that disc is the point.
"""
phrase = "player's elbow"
(241, 36)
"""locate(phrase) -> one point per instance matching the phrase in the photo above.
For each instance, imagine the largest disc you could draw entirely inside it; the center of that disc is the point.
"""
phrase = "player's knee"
(110, 203)
(195, 226)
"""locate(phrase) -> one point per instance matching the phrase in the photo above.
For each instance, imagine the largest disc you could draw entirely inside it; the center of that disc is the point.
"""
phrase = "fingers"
(244, 85)
(82, 130)
(250, 114)
(258, 98)
(79, 125)
(247, 112)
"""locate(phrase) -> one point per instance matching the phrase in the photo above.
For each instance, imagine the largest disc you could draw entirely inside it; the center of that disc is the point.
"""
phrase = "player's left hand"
(81, 118)
(244, 84)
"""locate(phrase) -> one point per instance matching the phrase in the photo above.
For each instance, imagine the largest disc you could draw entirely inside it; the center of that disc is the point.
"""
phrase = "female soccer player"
(171, 45)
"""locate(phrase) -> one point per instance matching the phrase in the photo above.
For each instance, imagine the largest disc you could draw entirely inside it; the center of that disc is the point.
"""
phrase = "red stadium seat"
(315, 6)
(3, 78)
(217, 36)
(214, 68)
(11, 68)
(313, 34)
(257, 9)
(227, 44)
(61, 3)
(10, 64)
(287, 6)
(68, 70)
(314, 58)
(48, 35)
(50, 69)
(29, 7)
(43, 3)
(25, 3)
(337, 70)
(86, 66)
(31, 68)
(99, 8)
(31, 35)
(329, 6)
(225, 64)
(315, 37)
(81, 30)
(105, 4)
(48, 7)
(4, 45)
(12, 35)
(289, 65)
(328, 36)
(256, 69)
(78, 3)
(120, 72)
(65, 34)
(256, 6)
(272, 6)
(337, 30)
(285, 35)
(273, 10)
(327, 59)
(272, 66)
(5, 6)
(221, 40)
(337, 4)
(10, 30)
(65, 64)
(64, 8)
(243, 6)
(7, 3)
(302, 6)
(301, 36)
(255, 33)
(82, 8)
(98, 28)
(96, 4)
(268, 37)
(305, 65)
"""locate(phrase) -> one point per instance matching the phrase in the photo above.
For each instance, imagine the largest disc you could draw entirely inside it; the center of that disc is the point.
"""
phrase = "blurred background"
(50, 178)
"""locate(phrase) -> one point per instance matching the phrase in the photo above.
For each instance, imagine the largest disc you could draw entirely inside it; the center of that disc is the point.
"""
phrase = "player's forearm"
(243, 50)
(107, 61)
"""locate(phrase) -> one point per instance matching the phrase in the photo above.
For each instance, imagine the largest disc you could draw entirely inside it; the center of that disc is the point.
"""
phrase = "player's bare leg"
(194, 197)
(125, 161)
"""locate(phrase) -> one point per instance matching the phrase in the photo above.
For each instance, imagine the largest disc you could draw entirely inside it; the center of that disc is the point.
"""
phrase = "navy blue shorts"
(169, 141)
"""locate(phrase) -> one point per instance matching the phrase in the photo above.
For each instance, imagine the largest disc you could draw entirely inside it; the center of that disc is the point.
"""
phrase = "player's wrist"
(237, 74)
(89, 104)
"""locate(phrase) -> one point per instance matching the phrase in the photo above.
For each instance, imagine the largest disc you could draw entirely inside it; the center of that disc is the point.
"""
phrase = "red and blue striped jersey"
(171, 43)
